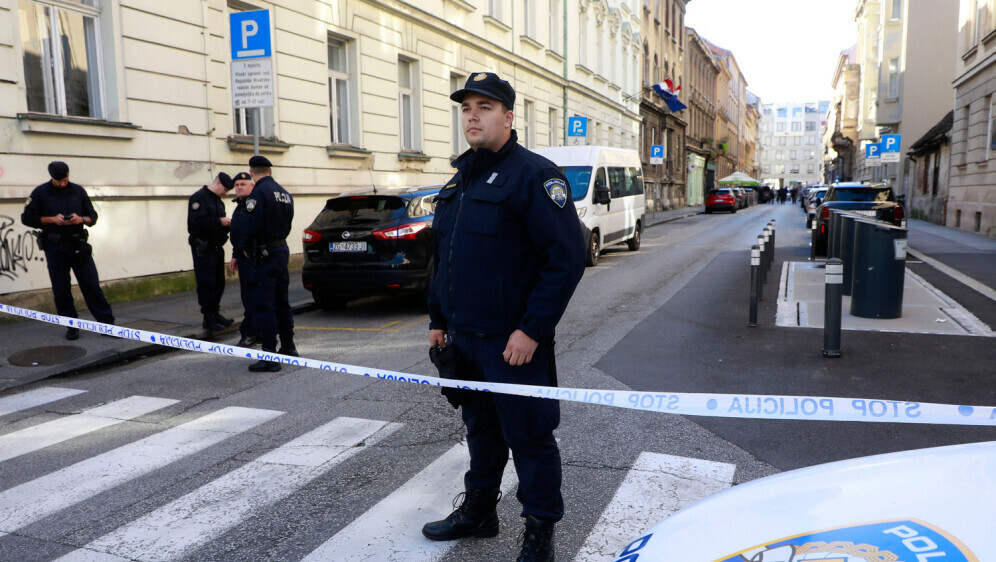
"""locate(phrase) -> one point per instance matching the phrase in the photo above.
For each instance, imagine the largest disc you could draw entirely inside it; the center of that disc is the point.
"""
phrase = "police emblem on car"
(346, 234)
(557, 190)
(250, 204)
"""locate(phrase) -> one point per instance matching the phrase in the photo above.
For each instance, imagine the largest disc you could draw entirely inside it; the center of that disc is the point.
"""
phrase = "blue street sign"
(250, 34)
(873, 151)
(577, 126)
(890, 143)
(657, 151)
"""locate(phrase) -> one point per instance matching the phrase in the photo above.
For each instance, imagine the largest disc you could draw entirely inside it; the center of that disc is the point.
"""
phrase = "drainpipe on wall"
(563, 31)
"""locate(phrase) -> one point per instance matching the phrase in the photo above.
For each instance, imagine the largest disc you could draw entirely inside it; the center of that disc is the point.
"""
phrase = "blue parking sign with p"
(250, 33)
(873, 150)
(657, 151)
(577, 126)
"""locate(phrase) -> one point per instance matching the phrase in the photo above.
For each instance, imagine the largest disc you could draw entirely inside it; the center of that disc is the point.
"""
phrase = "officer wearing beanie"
(241, 263)
(61, 209)
(509, 253)
(269, 212)
(207, 227)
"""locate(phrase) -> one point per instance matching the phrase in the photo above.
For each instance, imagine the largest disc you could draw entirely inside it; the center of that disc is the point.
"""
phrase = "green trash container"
(879, 270)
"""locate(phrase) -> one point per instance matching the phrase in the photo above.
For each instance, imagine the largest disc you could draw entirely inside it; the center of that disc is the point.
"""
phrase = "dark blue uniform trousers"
(209, 272)
(270, 308)
(247, 267)
(497, 423)
(77, 257)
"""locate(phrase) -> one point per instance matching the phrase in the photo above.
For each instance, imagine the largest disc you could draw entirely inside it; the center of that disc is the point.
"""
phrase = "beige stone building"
(971, 201)
(702, 71)
(840, 136)
(135, 96)
(731, 95)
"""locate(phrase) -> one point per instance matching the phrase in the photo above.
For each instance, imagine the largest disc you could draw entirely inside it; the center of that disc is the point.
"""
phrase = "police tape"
(753, 406)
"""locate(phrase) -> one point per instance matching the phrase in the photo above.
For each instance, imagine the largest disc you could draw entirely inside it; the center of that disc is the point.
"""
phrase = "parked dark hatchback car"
(723, 199)
(875, 201)
(370, 243)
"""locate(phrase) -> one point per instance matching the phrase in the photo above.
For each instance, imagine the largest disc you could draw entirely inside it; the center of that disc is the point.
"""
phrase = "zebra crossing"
(653, 488)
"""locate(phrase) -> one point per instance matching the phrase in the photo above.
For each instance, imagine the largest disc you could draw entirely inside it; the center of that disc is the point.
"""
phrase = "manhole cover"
(46, 356)
(151, 325)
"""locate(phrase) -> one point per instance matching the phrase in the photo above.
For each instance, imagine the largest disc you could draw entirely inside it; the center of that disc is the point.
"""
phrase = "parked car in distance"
(813, 200)
(376, 242)
(875, 201)
(722, 199)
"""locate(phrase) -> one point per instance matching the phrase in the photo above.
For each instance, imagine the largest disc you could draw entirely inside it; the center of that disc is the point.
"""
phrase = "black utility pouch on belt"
(451, 365)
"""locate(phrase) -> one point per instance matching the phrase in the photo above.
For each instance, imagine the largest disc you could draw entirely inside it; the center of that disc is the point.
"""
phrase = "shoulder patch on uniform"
(250, 204)
(557, 190)
(447, 187)
(195, 205)
(28, 202)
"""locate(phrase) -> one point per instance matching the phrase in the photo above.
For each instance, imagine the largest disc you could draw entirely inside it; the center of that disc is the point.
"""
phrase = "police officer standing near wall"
(207, 227)
(240, 262)
(269, 212)
(509, 253)
(61, 209)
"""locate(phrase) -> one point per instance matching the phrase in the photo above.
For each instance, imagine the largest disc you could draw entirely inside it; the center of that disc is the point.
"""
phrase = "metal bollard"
(769, 250)
(760, 269)
(772, 226)
(832, 307)
(755, 282)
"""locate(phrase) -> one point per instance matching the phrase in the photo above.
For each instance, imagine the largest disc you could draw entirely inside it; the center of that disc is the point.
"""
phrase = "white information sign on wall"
(252, 83)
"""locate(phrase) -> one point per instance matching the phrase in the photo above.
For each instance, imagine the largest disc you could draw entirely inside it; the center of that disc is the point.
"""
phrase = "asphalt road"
(255, 482)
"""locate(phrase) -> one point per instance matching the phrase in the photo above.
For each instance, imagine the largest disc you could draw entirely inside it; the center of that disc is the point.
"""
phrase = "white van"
(607, 187)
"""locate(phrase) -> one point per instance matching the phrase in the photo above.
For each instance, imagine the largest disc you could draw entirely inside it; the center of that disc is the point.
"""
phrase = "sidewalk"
(34, 350)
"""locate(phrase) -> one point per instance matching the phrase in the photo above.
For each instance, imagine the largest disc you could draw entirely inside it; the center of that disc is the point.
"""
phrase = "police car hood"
(928, 505)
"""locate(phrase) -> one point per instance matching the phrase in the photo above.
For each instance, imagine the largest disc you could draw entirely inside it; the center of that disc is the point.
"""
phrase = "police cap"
(259, 162)
(226, 181)
(58, 170)
(241, 176)
(488, 84)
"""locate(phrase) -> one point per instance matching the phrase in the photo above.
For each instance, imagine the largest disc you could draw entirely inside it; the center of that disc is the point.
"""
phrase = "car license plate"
(348, 247)
(866, 213)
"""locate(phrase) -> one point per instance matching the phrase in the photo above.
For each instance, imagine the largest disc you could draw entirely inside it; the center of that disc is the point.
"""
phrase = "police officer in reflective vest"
(61, 209)
(207, 227)
(241, 263)
(269, 212)
(509, 253)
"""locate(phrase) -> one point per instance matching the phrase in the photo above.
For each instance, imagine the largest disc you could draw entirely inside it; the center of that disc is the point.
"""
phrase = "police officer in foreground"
(61, 209)
(269, 212)
(207, 227)
(244, 265)
(508, 255)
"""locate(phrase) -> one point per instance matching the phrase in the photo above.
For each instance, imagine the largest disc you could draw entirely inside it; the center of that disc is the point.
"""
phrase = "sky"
(787, 49)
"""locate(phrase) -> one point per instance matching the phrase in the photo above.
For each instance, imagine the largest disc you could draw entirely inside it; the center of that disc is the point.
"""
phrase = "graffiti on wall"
(18, 249)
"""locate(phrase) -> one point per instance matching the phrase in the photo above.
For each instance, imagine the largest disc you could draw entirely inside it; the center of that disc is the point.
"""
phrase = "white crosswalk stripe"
(32, 398)
(44, 496)
(655, 487)
(174, 530)
(50, 433)
(392, 529)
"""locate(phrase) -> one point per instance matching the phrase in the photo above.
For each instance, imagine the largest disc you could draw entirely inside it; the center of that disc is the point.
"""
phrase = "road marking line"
(33, 398)
(381, 329)
(174, 530)
(656, 487)
(389, 324)
(954, 274)
(395, 523)
(56, 431)
(32, 501)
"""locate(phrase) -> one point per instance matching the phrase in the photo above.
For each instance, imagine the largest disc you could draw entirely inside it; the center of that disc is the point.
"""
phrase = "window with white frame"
(554, 125)
(583, 39)
(796, 126)
(340, 103)
(528, 123)
(494, 9)
(893, 78)
(458, 142)
(556, 39)
(407, 106)
(991, 145)
(897, 9)
(529, 18)
(62, 62)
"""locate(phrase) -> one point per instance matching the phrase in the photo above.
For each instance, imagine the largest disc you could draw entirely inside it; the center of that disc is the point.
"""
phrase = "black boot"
(476, 517)
(247, 341)
(537, 541)
(288, 348)
(211, 324)
(224, 321)
(264, 366)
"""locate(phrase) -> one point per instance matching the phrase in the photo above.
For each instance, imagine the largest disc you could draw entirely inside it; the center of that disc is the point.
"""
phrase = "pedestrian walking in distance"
(508, 255)
(241, 263)
(62, 210)
(207, 227)
(269, 212)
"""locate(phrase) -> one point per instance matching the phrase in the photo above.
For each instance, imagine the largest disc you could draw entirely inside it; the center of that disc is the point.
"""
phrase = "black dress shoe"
(72, 333)
(247, 341)
(211, 324)
(263, 366)
(224, 321)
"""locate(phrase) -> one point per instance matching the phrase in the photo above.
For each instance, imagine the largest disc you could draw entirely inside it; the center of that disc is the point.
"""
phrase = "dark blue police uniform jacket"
(509, 250)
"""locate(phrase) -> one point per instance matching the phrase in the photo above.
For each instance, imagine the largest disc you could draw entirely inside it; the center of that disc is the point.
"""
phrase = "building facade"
(135, 96)
(840, 136)
(791, 142)
(702, 71)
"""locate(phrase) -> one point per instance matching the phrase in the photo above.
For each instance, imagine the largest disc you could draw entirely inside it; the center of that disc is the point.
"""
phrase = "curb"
(133, 349)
